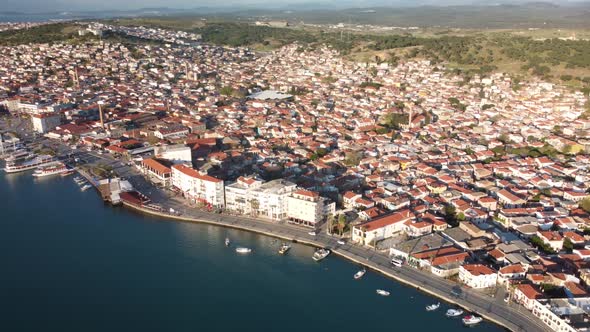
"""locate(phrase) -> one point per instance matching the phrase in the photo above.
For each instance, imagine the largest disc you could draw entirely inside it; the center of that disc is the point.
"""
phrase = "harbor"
(171, 208)
(177, 276)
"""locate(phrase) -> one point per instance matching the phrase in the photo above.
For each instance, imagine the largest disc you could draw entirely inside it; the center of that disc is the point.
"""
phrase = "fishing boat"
(360, 274)
(54, 169)
(471, 320)
(432, 307)
(242, 250)
(320, 254)
(85, 187)
(454, 312)
(227, 243)
(284, 248)
(382, 292)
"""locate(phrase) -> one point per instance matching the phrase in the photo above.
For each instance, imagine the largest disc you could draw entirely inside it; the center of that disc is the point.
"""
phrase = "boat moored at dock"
(37, 161)
(454, 313)
(320, 254)
(433, 307)
(52, 169)
(471, 320)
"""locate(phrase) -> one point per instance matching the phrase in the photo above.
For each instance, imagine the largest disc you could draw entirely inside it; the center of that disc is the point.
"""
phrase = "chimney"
(100, 103)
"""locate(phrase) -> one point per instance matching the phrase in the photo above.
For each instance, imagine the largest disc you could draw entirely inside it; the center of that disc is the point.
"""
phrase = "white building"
(381, 228)
(308, 208)
(477, 276)
(177, 154)
(45, 122)
(254, 197)
(198, 187)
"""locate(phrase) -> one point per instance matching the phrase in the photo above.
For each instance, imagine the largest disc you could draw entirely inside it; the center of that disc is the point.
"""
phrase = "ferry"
(29, 164)
(320, 254)
(242, 250)
(360, 274)
(382, 292)
(432, 307)
(471, 320)
(454, 312)
(284, 248)
(58, 168)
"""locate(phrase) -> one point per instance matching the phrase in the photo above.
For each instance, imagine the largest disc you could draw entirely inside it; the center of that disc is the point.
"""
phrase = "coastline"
(387, 271)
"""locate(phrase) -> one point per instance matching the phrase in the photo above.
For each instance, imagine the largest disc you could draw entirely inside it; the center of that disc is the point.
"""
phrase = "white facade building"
(308, 208)
(178, 154)
(254, 197)
(198, 187)
(477, 276)
(44, 122)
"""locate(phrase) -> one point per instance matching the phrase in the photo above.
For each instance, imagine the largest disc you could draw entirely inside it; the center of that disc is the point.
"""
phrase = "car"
(312, 233)
(341, 241)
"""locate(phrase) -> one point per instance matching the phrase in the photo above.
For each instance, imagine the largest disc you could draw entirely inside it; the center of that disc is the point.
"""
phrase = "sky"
(32, 6)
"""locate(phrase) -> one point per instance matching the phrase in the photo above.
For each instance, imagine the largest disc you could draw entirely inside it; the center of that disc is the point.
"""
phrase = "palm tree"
(330, 219)
(341, 223)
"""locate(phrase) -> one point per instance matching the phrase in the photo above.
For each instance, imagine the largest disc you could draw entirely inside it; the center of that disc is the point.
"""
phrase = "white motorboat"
(471, 320)
(242, 250)
(432, 307)
(382, 292)
(86, 187)
(320, 254)
(360, 274)
(227, 243)
(454, 312)
(284, 248)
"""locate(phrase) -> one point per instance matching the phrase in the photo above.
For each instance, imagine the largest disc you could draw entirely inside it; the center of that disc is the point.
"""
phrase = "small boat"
(432, 307)
(284, 248)
(382, 292)
(360, 274)
(471, 320)
(320, 254)
(227, 242)
(454, 312)
(85, 187)
(242, 250)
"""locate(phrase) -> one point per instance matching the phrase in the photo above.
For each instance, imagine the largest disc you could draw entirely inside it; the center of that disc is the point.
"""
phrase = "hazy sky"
(65, 5)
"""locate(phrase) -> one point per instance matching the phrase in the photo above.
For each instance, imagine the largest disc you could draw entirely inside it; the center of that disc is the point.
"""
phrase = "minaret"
(100, 103)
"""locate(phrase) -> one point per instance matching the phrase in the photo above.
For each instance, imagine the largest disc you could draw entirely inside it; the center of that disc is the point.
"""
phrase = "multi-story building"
(257, 198)
(44, 122)
(198, 187)
(308, 208)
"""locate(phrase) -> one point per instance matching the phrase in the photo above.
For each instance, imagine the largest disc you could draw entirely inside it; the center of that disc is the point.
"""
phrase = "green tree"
(341, 223)
(568, 245)
(585, 204)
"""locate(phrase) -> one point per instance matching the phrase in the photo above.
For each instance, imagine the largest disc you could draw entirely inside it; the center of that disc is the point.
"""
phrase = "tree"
(227, 91)
(330, 220)
(585, 204)
(461, 216)
(341, 223)
(568, 245)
